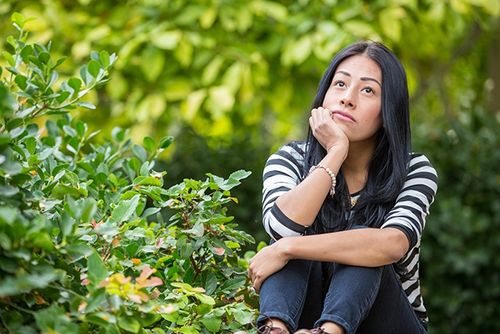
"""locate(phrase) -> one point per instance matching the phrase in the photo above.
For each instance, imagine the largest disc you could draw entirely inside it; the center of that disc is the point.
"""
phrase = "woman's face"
(354, 98)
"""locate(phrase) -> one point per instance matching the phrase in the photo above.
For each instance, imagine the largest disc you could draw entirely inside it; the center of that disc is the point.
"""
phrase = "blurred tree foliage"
(232, 80)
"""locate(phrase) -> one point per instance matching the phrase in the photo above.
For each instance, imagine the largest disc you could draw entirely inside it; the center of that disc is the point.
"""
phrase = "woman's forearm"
(367, 247)
(303, 203)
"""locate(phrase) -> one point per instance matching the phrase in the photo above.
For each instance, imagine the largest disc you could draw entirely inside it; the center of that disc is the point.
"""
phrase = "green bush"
(90, 239)
(460, 267)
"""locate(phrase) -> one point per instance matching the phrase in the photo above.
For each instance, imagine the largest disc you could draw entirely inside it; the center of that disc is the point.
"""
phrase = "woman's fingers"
(321, 114)
(321, 124)
(325, 129)
(256, 281)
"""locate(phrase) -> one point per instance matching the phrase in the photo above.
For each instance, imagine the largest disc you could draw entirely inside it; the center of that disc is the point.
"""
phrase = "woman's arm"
(366, 246)
(302, 203)
(291, 204)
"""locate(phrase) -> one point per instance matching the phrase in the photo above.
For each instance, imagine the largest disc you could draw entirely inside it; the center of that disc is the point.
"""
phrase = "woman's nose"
(347, 101)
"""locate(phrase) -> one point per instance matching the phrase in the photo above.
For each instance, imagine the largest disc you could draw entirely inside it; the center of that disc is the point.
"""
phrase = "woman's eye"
(339, 83)
(368, 90)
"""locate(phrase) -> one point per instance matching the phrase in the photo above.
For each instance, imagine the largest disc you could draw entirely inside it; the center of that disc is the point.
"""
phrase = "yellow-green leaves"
(166, 40)
(391, 22)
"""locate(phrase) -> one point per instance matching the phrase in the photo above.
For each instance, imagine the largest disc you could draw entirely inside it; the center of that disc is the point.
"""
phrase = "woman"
(346, 208)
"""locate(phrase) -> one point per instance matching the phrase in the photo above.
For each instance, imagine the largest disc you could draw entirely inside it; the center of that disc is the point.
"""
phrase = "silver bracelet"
(330, 173)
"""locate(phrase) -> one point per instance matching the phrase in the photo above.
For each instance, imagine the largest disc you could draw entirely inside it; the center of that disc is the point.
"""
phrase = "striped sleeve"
(282, 173)
(413, 203)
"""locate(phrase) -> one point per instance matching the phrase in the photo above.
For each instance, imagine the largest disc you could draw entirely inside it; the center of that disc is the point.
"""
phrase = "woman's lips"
(343, 116)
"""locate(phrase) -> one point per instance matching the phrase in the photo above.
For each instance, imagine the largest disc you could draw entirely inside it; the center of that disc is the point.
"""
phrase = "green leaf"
(140, 152)
(26, 52)
(85, 75)
(61, 190)
(8, 215)
(212, 322)
(59, 62)
(62, 96)
(86, 105)
(205, 299)
(89, 208)
(9, 58)
(18, 19)
(272, 9)
(390, 21)
(104, 58)
(67, 223)
(44, 57)
(118, 134)
(129, 324)
(197, 230)
(166, 141)
(155, 64)
(93, 67)
(125, 209)
(95, 300)
(150, 211)
(147, 180)
(76, 84)
(211, 71)
(78, 250)
(97, 271)
(53, 77)
(232, 285)
(149, 144)
(240, 174)
(8, 191)
(166, 40)
(211, 283)
(105, 320)
(21, 81)
(69, 131)
(81, 128)
(108, 230)
(243, 316)
(26, 282)
(54, 320)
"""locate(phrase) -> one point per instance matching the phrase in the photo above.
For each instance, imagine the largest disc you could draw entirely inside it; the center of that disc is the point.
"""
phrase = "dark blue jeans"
(305, 294)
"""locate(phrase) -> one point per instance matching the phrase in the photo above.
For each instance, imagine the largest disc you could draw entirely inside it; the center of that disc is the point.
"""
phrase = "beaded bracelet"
(330, 173)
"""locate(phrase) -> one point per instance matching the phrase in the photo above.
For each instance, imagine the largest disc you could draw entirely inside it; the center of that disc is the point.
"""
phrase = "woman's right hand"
(326, 131)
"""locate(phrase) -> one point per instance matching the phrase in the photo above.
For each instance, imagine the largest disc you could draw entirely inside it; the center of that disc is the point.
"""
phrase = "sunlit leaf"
(166, 40)
(97, 271)
(125, 209)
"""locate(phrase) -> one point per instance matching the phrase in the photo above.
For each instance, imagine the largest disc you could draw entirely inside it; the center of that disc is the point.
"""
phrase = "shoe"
(266, 329)
(318, 330)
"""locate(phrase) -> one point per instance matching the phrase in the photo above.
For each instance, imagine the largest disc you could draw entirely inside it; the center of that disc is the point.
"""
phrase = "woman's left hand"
(266, 262)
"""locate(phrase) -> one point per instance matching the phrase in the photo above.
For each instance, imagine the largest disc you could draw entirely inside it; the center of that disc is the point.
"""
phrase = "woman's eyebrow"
(362, 78)
(371, 79)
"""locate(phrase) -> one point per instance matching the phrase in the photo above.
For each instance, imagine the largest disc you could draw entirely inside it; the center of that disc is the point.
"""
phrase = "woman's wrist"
(284, 248)
(337, 152)
(338, 149)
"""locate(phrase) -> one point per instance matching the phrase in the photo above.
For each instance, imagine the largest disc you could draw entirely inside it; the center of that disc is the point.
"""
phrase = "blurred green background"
(233, 80)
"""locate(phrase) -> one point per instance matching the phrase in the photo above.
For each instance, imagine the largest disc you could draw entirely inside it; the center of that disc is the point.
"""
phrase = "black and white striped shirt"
(283, 172)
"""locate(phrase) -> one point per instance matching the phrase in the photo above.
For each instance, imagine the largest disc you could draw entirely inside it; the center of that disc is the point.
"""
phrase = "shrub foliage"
(90, 239)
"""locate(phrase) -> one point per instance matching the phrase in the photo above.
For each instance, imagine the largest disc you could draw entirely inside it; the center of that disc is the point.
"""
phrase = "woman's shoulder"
(295, 149)
(419, 161)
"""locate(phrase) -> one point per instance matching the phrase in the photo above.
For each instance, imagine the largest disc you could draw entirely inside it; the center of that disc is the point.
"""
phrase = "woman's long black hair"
(388, 165)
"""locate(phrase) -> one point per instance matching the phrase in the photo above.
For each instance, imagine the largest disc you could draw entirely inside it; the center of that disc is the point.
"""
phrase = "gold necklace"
(354, 200)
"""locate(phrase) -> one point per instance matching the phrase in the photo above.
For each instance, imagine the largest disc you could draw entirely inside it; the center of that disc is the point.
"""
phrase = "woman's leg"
(285, 294)
(369, 300)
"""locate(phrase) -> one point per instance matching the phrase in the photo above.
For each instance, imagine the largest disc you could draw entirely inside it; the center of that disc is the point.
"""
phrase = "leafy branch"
(35, 83)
